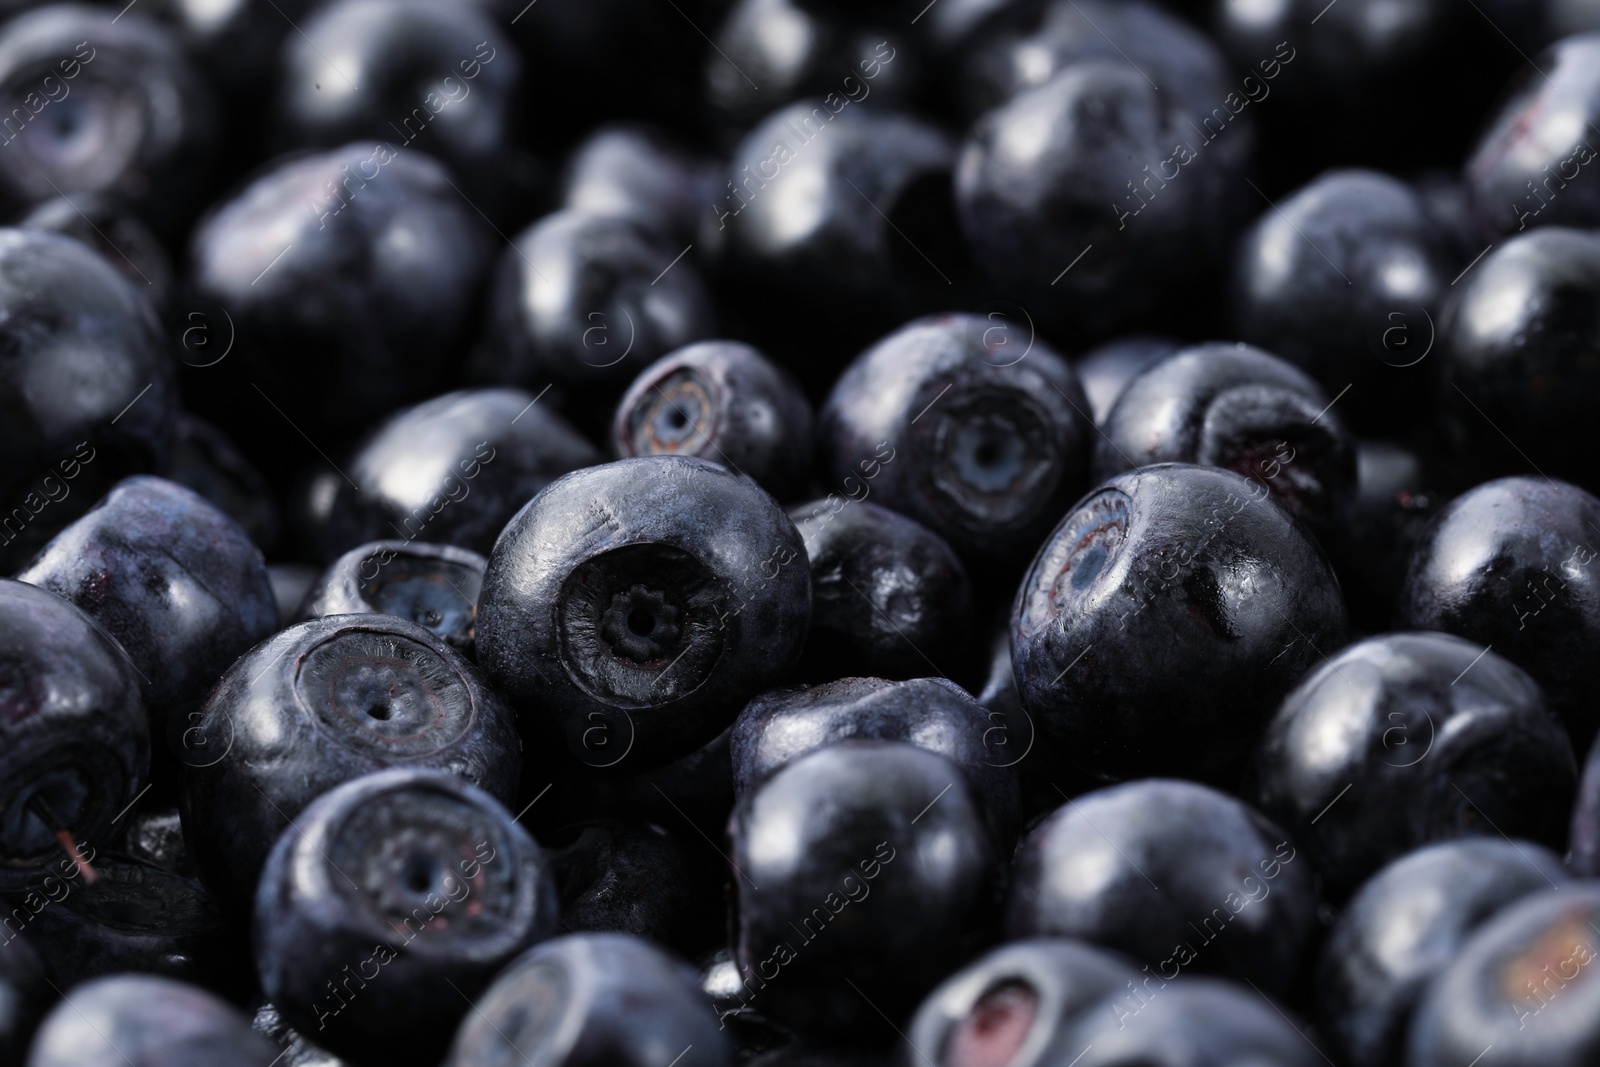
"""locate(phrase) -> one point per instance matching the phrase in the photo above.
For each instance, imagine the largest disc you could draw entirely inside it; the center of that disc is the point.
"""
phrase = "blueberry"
(173, 579)
(1132, 670)
(1405, 925)
(1516, 381)
(133, 917)
(630, 609)
(1397, 494)
(434, 586)
(945, 422)
(297, 1050)
(770, 52)
(864, 873)
(90, 388)
(586, 301)
(1508, 565)
(636, 878)
(74, 739)
(290, 584)
(1029, 43)
(784, 724)
(1526, 170)
(359, 267)
(1107, 369)
(154, 836)
(138, 1020)
(388, 894)
(1162, 870)
(1237, 407)
(1405, 739)
(25, 995)
(237, 43)
(1521, 991)
(748, 1031)
(639, 172)
(123, 112)
(316, 705)
(592, 1000)
(726, 402)
(205, 460)
(1346, 53)
(1204, 1022)
(111, 229)
(1357, 315)
(410, 74)
(889, 597)
(1017, 1004)
(844, 211)
(1584, 858)
(1098, 165)
(452, 469)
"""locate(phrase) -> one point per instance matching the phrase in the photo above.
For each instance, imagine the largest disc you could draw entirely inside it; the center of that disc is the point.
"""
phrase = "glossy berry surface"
(76, 746)
(589, 1000)
(1106, 370)
(437, 80)
(573, 301)
(784, 724)
(1428, 737)
(838, 850)
(1359, 320)
(1164, 619)
(946, 422)
(360, 265)
(1515, 376)
(109, 106)
(1172, 873)
(1098, 163)
(316, 705)
(1242, 409)
(146, 1021)
(1524, 171)
(1509, 564)
(385, 893)
(434, 586)
(1405, 925)
(174, 580)
(725, 402)
(90, 390)
(1523, 982)
(677, 590)
(889, 597)
(452, 470)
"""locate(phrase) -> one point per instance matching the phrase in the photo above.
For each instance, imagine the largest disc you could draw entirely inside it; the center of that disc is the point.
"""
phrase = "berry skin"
(146, 1021)
(1174, 874)
(316, 705)
(175, 580)
(1511, 564)
(945, 422)
(1405, 925)
(74, 737)
(1166, 617)
(1428, 737)
(434, 586)
(452, 470)
(867, 861)
(1522, 991)
(592, 1000)
(725, 402)
(630, 609)
(384, 894)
